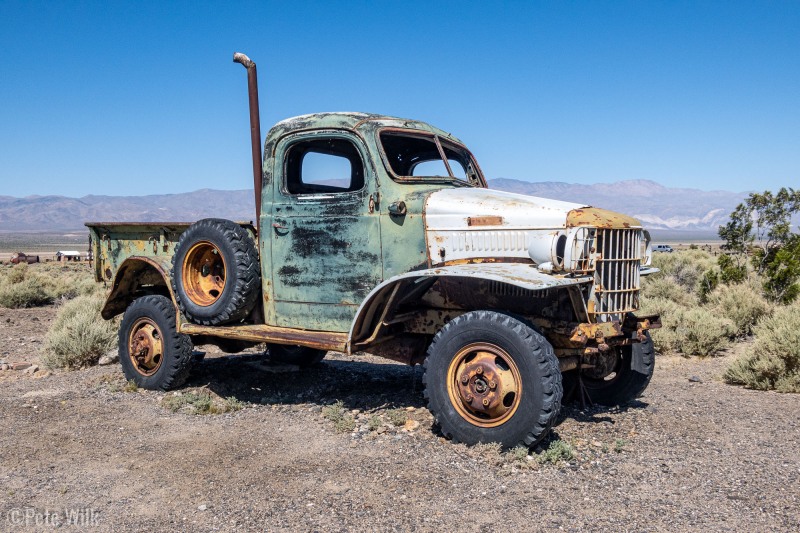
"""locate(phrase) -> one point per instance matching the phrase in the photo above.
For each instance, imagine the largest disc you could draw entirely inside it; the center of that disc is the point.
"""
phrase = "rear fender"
(136, 276)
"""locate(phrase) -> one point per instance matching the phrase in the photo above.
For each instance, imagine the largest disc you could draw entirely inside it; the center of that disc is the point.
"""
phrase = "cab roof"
(350, 121)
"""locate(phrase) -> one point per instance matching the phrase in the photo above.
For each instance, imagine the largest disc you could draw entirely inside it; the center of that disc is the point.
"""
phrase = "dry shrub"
(26, 286)
(558, 451)
(740, 303)
(79, 336)
(68, 280)
(337, 413)
(659, 306)
(25, 293)
(685, 267)
(689, 330)
(491, 452)
(664, 338)
(666, 287)
(773, 363)
(17, 273)
(687, 327)
(703, 333)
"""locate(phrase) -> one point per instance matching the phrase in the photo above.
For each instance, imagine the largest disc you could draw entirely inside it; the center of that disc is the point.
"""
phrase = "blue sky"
(143, 98)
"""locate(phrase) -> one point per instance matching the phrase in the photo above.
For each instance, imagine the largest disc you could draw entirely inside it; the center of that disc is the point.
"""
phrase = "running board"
(322, 340)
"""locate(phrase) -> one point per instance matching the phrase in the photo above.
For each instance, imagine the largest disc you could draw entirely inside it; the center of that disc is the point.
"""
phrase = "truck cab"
(343, 207)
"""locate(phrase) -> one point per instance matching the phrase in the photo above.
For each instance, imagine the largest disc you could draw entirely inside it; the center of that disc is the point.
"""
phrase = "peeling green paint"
(321, 254)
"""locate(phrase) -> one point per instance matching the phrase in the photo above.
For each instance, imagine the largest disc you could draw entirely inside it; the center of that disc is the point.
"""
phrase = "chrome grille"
(616, 287)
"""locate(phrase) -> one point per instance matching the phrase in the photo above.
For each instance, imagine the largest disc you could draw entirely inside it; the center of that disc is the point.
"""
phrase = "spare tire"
(215, 272)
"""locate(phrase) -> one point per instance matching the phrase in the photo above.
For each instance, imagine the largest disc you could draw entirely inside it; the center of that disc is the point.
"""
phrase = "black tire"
(295, 355)
(238, 272)
(629, 379)
(171, 358)
(494, 337)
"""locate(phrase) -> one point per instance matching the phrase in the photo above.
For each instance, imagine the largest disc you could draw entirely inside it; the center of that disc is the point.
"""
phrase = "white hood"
(453, 208)
(467, 223)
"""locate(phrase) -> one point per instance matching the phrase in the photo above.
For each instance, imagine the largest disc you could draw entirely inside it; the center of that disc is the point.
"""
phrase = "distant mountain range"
(48, 213)
(657, 206)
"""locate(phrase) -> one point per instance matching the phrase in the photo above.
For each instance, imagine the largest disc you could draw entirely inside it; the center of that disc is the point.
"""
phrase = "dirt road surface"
(693, 455)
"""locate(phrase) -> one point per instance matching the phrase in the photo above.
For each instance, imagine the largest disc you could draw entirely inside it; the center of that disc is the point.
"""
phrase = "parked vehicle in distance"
(20, 257)
(377, 234)
(663, 248)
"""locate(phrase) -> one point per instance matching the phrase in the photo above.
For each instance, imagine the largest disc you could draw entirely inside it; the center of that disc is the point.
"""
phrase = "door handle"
(278, 226)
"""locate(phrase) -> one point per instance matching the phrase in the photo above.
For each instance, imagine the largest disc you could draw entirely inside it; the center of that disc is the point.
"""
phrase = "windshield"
(420, 155)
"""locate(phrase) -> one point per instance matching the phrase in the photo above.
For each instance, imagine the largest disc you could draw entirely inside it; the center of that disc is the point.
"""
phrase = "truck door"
(326, 248)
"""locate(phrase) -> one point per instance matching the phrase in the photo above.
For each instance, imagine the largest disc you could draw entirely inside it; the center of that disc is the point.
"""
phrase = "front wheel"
(151, 351)
(622, 382)
(491, 378)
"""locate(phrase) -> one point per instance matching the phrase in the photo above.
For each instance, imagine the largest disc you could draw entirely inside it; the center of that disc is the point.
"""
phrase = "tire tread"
(178, 344)
(246, 272)
(540, 350)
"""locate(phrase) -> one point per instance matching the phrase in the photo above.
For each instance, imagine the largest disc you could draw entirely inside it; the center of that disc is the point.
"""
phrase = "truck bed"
(113, 242)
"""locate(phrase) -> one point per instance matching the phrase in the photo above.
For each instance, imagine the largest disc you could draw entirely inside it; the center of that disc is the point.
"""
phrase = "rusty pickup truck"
(378, 235)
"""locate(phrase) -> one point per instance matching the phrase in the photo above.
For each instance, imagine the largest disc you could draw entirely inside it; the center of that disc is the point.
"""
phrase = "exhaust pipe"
(255, 128)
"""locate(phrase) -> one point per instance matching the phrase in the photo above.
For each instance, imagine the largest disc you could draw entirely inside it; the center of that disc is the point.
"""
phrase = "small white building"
(68, 255)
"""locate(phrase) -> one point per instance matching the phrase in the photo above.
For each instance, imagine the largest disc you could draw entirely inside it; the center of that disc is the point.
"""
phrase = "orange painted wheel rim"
(484, 384)
(146, 347)
(203, 274)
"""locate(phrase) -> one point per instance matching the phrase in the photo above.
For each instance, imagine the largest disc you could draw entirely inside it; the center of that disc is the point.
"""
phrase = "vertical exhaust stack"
(255, 128)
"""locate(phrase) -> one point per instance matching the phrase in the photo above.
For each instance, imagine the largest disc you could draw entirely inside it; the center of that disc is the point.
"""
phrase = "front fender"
(523, 275)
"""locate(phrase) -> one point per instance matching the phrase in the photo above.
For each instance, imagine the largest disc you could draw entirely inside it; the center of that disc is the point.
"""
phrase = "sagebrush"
(702, 308)
(79, 336)
(740, 303)
(773, 361)
(41, 284)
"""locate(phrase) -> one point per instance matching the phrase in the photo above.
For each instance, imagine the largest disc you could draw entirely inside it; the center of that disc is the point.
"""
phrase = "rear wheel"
(295, 355)
(491, 378)
(151, 351)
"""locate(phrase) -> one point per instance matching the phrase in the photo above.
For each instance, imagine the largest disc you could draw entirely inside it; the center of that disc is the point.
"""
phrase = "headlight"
(567, 250)
(549, 248)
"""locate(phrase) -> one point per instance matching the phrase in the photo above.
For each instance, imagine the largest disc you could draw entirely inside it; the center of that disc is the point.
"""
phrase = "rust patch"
(485, 221)
(323, 340)
(600, 218)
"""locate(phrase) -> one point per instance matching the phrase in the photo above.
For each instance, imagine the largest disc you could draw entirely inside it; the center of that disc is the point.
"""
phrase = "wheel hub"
(203, 274)
(604, 366)
(145, 347)
(484, 384)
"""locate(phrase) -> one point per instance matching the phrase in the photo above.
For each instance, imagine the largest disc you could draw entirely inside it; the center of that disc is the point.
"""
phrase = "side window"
(323, 166)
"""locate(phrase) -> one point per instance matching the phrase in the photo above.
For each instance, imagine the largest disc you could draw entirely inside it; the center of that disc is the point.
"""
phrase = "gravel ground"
(693, 455)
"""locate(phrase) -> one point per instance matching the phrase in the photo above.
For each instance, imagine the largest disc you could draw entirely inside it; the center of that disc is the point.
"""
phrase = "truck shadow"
(597, 414)
(254, 379)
